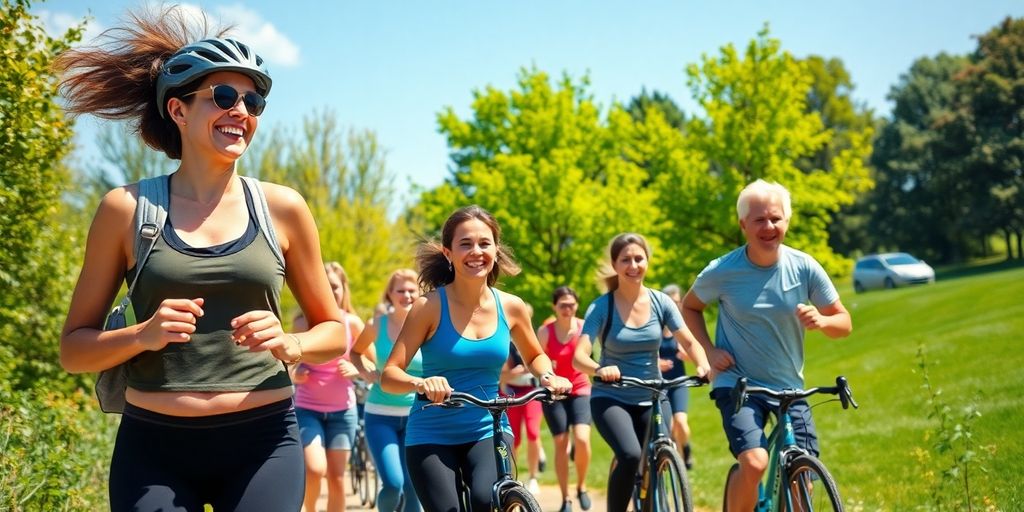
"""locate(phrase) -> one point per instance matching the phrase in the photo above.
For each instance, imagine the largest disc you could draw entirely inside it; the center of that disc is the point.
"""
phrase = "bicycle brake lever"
(845, 393)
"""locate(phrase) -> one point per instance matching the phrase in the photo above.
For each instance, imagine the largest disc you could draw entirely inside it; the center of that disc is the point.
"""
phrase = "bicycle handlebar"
(842, 388)
(457, 399)
(688, 381)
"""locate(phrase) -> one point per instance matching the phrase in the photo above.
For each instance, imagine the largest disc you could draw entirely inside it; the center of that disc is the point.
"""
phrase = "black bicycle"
(797, 480)
(661, 483)
(362, 472)
(507, 494)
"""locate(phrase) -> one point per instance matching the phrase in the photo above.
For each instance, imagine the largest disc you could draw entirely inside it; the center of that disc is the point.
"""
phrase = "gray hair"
(763, 189)
(672, 289)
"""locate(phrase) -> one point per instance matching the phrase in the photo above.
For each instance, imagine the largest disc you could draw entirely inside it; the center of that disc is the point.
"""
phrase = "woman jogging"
(209, 417)
(387, 414)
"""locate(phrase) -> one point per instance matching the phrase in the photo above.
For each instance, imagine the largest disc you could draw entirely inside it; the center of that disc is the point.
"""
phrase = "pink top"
(561, 357)
(326, 390)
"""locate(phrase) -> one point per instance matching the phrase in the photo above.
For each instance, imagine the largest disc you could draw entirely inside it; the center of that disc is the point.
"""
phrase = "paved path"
(550, 499)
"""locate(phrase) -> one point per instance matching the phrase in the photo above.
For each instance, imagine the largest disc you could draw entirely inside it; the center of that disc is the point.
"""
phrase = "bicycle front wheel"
(809, 486)
(669, 488)
(518, 499)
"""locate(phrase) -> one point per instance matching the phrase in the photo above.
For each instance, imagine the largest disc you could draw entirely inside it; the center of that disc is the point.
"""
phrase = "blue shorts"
(572, 410)
(745, 429)
(679, 399)
(336, 430)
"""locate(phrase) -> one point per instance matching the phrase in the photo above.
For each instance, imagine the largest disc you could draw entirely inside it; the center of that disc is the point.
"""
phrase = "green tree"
(992, 117)
(345, 180)
(918, 201)
(640, 105)
(757, 124)
(831, 97)
(544, 160)
(51, 435)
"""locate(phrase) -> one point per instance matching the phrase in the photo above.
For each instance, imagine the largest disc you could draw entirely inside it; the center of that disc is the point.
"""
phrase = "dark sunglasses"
(565, 305)
(226, 97)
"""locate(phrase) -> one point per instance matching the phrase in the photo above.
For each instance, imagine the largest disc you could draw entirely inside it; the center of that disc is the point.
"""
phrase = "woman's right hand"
(436, 389)
(173, 322)
(608, 373)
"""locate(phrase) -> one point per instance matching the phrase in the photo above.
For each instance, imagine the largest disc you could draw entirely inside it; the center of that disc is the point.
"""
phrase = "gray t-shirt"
(633, 349)
(757, 320)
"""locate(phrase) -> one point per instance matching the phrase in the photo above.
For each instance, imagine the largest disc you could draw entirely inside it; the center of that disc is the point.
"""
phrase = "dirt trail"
(550, 499)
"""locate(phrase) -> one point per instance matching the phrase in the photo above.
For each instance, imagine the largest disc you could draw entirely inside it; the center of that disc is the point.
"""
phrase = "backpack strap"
(656, 304)
(608, 318)
(263, 216)
(150, 217)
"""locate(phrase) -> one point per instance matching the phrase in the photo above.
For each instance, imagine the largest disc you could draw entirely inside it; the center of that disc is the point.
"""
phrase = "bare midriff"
(196, 404)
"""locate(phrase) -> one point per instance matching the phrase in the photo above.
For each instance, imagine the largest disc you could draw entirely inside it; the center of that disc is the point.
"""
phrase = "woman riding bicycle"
(387, 414)
(633, 317)
(462, 327)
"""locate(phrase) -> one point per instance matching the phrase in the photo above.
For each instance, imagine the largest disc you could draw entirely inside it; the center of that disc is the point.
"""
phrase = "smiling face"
(403, 293)
(631, 264)
(764, 227)
(473, 251)
(209, 130)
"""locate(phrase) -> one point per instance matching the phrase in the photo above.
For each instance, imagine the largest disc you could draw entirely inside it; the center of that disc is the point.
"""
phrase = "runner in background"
(671, 363)
(571, 416)
(517, 381)
(325, 403)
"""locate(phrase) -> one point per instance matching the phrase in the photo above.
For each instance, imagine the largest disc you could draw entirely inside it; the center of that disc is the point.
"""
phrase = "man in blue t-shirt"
(768, 295)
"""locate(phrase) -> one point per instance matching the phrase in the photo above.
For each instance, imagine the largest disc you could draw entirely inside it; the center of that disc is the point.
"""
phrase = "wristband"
(297, 342)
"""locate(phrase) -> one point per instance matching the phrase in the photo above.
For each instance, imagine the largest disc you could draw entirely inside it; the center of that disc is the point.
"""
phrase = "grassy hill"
(970, 326)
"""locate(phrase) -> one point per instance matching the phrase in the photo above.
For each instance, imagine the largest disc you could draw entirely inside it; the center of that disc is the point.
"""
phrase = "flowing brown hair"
(436, 271)
(116, 78)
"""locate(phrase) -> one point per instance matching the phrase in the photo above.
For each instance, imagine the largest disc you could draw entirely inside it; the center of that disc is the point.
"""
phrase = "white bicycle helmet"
(201, 58)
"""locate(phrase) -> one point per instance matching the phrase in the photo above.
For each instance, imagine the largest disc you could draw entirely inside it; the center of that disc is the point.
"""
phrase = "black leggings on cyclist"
(434, 470)
(623, 427)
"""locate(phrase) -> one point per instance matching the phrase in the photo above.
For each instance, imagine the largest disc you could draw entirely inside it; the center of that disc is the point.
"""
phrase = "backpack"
(150, 217)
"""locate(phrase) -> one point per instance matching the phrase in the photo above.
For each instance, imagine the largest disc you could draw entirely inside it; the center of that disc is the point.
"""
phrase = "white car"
(890, 270)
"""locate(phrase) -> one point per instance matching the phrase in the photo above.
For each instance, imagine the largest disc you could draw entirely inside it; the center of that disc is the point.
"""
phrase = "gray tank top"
(234, 278)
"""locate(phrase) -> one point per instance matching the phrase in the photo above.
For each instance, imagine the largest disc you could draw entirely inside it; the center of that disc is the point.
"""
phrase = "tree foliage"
(51, 436)
(345, 180)
(547, 163)
(758, 123)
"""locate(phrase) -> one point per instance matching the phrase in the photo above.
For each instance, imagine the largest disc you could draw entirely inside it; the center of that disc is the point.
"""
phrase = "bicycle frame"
(502, 450)
(782, 445)
(657, 433)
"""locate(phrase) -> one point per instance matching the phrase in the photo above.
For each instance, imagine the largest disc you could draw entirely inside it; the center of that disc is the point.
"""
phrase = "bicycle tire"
(355, 472)
(802, 470)
(669, 486)
(517, 499)
(725, 493)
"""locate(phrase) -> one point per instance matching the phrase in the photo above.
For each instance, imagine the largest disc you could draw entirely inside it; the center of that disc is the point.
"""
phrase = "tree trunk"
(1009, 245)
(1020, 245)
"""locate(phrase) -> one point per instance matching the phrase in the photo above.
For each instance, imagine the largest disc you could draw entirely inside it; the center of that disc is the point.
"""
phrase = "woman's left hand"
(557, 385)
(347, 369)
(261, 330)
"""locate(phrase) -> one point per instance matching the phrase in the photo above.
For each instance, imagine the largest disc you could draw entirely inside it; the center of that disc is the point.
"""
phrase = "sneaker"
(584, 499)
(687, 457)
(541, 464)
(566, 506)
(533, 487)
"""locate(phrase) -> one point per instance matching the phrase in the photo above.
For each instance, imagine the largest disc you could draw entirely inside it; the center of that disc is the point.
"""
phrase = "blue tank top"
(471, 366)
(383, 346)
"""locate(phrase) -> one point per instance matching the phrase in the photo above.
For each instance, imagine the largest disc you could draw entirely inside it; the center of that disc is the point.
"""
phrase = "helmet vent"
(211, 56)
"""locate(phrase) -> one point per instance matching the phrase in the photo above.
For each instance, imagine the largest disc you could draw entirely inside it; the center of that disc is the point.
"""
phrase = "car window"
(901, 259)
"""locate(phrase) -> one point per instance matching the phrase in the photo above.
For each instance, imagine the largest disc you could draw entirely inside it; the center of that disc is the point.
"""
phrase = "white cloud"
(250, 28)
(268, 41)
(56, 23)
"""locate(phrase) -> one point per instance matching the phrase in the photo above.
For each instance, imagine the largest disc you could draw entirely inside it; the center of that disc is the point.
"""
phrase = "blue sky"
(391, 66)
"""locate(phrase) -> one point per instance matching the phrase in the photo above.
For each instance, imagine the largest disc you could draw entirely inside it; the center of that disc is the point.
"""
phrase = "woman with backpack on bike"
(629, 320)
(208, 417)
(325, 405)
(386, 414)
(462, 326)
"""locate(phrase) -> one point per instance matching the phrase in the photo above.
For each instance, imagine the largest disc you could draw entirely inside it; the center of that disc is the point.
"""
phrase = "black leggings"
(435, 470)
(623, 427)
(249, 460)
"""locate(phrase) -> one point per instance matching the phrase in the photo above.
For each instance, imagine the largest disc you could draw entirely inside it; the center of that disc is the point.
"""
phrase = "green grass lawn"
(971, 327)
